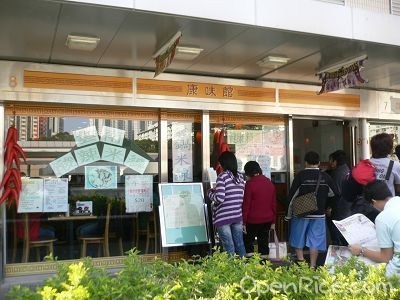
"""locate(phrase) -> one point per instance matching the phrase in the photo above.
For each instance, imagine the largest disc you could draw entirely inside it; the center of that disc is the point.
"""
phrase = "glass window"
(265, 144)
(86, 181)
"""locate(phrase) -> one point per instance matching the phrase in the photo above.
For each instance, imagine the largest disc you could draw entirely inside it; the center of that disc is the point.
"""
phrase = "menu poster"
(31, 197)
(63, 164)
(265, 165)
(112, 135)
(85, 136)
(182, 214)
(87, 155)
(100, 177)
(269, 142)
(212, 176)
(138, 193)
(113, 154)
(55, 195)
(136, 162)
(182, 167)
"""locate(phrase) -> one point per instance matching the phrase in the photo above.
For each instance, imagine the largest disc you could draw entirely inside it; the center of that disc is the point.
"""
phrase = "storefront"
(98, 142)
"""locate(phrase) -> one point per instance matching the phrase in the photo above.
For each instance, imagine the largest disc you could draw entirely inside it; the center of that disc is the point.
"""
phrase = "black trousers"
(260, 231)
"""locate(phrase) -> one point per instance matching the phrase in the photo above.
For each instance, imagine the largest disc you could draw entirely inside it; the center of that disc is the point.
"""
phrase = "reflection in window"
(108, 152)
(265, 144)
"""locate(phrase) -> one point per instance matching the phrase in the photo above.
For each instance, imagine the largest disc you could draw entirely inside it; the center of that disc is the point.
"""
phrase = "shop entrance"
(322, 136)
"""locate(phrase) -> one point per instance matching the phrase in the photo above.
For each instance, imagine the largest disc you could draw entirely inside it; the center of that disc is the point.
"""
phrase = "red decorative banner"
(344, 77)
(165, 55)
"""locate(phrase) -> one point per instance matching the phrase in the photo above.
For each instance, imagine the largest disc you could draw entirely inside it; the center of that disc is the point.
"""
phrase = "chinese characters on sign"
(138, 193)
(87, 155)
(112, 135)
(63, 164)
(113, 154)
(136, 162)
(216, 91)
(182, 164)
(85, 136)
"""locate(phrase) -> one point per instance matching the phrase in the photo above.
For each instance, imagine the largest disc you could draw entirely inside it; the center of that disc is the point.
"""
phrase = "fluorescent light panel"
(189, 50)
(187, 53)
(84, 43)
(273, 61)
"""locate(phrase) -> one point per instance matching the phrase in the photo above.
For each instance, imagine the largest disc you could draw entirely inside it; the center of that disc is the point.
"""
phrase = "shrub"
(218, 276)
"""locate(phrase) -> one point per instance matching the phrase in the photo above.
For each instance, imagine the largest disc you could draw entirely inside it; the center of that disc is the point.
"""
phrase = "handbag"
(306, 204)
(277, 250)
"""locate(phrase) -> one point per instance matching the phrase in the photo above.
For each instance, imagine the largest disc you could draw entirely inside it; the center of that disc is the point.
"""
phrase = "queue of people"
(244, 210)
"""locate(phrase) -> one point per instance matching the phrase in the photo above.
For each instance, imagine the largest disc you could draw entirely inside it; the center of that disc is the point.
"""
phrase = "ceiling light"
(273, 61)
(343, 63)
(84, 43)
(187, 53)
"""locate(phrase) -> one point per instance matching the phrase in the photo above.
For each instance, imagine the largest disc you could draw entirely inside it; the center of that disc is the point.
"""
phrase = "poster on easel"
(183, 214)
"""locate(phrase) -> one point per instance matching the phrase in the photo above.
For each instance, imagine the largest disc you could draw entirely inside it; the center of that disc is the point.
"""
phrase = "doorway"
(322, 136)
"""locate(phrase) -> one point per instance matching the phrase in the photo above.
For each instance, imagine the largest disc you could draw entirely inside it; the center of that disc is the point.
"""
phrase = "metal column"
(290, 150)
(364, 138)
(205, 144)
(163, 147)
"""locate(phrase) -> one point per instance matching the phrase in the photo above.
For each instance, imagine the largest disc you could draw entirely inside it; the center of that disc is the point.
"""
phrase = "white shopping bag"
(277, 250)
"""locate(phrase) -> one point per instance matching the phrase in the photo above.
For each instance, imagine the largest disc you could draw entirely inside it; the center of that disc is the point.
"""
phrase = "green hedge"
(214, 277)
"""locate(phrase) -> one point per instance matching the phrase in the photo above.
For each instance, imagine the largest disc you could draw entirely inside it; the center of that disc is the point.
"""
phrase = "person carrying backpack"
(381, 147)
(379, 167)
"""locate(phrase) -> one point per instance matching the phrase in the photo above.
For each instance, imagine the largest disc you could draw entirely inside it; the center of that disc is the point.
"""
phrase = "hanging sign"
(165, 55)
(345, 77)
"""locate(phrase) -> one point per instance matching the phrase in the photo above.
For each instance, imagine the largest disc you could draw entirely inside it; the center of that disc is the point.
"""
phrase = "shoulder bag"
(306, 204)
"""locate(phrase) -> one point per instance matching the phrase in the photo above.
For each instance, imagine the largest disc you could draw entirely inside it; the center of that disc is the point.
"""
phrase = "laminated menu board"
(183, 217)
(43, 195)
(32, 195)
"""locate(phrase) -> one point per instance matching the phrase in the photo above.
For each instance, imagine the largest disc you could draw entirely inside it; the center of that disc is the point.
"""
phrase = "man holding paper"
(387, 225)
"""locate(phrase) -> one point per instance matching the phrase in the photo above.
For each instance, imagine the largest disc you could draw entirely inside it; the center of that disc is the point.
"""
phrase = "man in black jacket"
(310, 230)
(339, 171)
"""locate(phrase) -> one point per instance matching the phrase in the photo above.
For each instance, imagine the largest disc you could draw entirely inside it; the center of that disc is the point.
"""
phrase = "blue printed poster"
(100, 177)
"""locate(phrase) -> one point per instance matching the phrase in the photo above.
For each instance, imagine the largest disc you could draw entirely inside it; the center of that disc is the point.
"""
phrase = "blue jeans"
(46, 232)
(231, 237)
